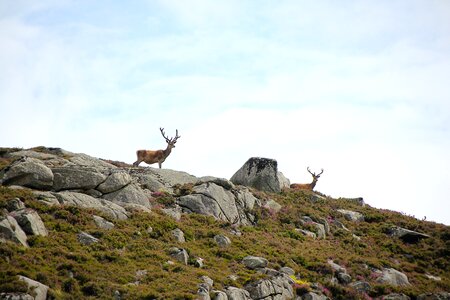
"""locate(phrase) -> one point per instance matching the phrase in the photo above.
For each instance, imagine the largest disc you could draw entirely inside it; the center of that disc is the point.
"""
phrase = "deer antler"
(164, 135)
(171, 140)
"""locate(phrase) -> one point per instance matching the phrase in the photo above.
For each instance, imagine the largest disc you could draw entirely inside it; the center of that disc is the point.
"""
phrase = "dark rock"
(259, 173)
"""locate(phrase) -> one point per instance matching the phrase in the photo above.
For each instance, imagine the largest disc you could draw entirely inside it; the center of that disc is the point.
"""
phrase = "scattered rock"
(306, 233)
(435, 278)
(408, 236)
(344, 278)
(16, 296)
(87, 239)
(198, 262)
(259, 173)
(361, 286)
(179, 254)
(320, 228)
(395, 296)
(30, 221)
(272, 205)
(393, 277)
(40, 290)
(222, 241)
(14, 204)
(313, 296)
(437, 296)
(10, 230)
(174, 212)
(178, 235)
(288, 271)
(102, 223)
(352, 215)
(254, 262)
(29, 172)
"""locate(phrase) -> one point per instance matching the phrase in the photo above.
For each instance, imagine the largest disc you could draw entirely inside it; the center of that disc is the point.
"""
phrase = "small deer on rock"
(156, 156)
(307, 186)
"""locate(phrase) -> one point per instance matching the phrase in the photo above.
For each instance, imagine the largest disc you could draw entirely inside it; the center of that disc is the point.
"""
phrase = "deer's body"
(156, 156)
(307, 186)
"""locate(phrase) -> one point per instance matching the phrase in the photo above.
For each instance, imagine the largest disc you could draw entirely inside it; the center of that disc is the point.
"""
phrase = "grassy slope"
(74, 271)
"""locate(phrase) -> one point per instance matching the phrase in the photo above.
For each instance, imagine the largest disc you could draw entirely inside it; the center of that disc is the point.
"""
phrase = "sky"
(360, 89)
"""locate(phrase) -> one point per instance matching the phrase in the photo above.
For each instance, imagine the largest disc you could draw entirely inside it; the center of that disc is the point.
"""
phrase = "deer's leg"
(160, 163)
(136, 163)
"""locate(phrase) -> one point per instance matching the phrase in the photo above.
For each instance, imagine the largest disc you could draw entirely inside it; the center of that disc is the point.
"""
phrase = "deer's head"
(172, 141)
(314, 175)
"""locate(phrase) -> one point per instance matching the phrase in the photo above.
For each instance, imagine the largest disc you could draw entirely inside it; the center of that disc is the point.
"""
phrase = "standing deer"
(156, 156)
(307, 186)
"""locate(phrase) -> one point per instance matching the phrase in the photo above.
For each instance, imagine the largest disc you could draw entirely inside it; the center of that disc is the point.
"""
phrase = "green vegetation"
(76, 271)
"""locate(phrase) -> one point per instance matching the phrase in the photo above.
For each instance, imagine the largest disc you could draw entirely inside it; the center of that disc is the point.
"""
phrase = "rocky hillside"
(77, 227)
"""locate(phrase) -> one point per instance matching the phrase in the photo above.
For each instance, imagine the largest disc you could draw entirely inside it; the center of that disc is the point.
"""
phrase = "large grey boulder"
(85, 201)
(214, 198)
(408, 236)
(76, 178)
(211, 199)
(259, 173)
(114, 182)
(10, 230)
(235, 293)
(393, 277)
(29, 172)
(132, 194)
(162, 179)
(30, 221)
(276, 287)
(40, 290)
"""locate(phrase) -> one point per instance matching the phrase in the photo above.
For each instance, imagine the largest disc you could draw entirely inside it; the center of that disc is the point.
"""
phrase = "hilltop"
(77, 227)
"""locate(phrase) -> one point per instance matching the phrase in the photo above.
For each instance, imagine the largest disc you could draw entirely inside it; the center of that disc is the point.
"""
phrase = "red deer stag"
(307, 186)
(158, 156)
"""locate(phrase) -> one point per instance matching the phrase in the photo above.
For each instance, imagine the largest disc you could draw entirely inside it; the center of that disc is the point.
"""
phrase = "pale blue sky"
(359, 88)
